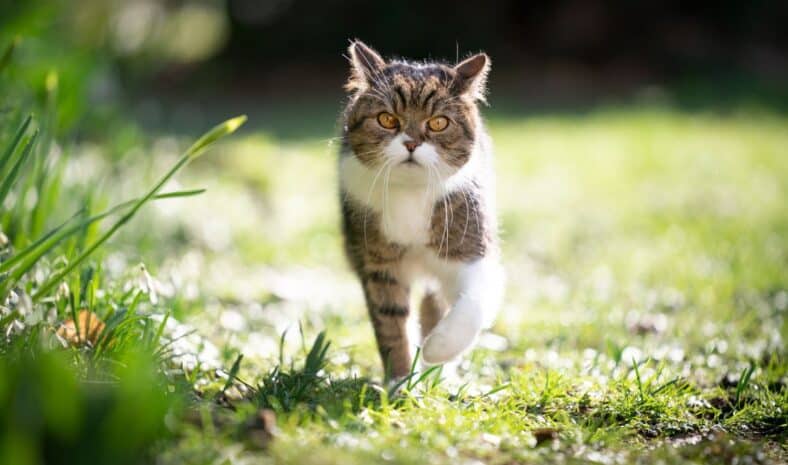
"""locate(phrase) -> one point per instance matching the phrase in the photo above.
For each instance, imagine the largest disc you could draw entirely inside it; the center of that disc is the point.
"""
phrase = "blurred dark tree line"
(568, 51)
(666, 37)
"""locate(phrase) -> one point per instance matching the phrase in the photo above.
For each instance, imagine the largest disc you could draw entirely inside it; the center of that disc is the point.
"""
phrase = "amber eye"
(387, 120)
(438, 124)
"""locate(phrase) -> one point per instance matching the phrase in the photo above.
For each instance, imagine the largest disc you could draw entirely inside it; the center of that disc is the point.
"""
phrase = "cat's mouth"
(410, 161)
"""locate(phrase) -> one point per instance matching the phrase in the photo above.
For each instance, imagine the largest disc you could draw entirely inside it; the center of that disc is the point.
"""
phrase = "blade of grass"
(13, 175)
(413, 366)
(6, 265)
(316, 358)
(160, 331)
(406, 379)
(193, 152)
(48, 192)
(744, 380)
(9, 151)
(424, 375)
(231, 376)
(9, 53)
(167, 345)
(498, 388)
(30, 255)
(282, 348)
(665, 386)
(216, 133)
(635, 367)
(75, 319)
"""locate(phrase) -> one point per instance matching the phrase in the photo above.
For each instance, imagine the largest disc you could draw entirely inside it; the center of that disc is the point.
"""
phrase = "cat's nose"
(411, 144)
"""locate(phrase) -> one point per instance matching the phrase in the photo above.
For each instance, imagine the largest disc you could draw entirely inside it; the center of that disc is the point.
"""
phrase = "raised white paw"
(440, 347)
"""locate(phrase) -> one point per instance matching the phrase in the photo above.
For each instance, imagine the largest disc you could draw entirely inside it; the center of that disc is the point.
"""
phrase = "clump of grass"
(101, 394)
(744, 381)
(282, 388)
(21, 263)
(429, 377)
(52, 413)
(290, 388)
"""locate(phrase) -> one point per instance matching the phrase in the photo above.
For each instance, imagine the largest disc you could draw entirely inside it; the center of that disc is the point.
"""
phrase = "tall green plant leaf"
(219, 131)
(13, 175)
(8, 54)
(11, 149)
(19, 264)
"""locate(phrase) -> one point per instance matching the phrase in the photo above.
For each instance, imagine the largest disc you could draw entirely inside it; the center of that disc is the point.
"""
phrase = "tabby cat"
(417, 196)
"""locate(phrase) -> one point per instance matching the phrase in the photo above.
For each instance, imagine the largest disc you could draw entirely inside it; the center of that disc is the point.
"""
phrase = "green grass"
(86, 370)
(645, 315)
(647, 255)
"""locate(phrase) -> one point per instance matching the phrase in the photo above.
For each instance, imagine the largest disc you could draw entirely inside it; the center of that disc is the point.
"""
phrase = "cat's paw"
(440, 347)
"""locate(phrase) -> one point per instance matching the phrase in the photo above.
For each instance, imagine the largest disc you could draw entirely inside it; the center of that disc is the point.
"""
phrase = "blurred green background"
(642, 161)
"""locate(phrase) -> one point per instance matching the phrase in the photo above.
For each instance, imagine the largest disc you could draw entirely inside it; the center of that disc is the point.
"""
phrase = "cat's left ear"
(366, 65)
(471, 76)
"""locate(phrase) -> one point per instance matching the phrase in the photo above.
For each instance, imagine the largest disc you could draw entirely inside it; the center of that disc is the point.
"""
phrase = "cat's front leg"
(475, 290)
(388, 306)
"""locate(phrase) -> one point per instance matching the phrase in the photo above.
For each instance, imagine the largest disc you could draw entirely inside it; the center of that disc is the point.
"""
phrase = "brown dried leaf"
(90, 328)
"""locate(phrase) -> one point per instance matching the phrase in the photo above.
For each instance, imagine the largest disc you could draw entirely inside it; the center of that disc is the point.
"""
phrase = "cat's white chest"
(405, 211)
(405, 219)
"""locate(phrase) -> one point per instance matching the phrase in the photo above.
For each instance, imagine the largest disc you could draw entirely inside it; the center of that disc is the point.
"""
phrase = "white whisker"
(369, 197)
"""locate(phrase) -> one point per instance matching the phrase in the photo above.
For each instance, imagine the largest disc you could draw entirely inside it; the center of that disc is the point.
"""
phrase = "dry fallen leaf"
(90, 328)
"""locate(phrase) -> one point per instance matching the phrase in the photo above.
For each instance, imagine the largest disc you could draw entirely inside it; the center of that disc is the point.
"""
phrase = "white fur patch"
(476, 290)
(405, 210)
(403, 194)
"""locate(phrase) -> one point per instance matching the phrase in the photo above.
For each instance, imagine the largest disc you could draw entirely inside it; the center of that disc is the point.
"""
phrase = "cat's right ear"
(365, 66)
(471, 76)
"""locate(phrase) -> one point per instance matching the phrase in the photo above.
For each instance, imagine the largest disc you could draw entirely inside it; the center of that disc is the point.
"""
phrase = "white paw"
(441, 348)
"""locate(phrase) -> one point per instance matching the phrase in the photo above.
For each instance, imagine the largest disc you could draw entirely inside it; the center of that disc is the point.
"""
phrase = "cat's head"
(413, 116)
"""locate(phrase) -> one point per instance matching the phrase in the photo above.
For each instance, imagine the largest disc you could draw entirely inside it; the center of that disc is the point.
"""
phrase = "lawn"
(647, 258)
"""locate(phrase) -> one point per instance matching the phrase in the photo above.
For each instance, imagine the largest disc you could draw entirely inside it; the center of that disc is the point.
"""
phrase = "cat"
(417, 200)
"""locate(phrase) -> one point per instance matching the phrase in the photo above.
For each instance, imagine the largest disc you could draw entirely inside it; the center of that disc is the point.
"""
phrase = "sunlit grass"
(646, 300)
(646, 259)
(82, 357)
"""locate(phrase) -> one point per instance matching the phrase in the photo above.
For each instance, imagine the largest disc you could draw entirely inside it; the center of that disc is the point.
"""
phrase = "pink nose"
(411, 145)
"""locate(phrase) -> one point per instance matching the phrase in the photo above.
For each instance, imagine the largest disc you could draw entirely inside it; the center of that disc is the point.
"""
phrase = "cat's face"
(420, 119)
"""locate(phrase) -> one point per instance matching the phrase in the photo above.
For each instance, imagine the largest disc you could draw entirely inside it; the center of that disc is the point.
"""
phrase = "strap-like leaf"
(5, 60)
(22, 262)
(13, 174)
(11, 149)
(228, 127)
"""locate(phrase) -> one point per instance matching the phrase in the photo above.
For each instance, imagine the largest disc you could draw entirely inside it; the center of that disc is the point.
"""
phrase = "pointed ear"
(365, 66)
(471, 76)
